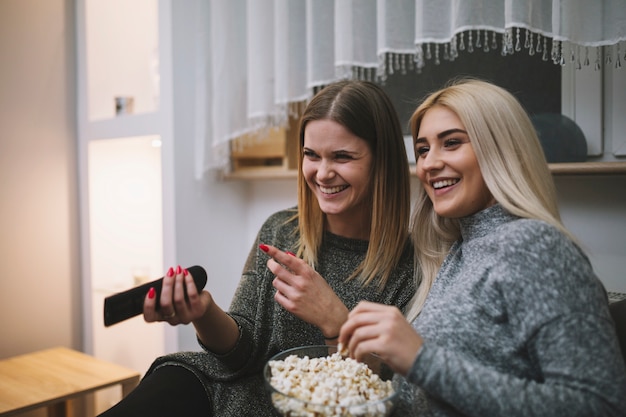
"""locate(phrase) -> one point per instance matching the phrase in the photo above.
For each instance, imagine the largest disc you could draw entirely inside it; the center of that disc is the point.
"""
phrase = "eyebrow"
(443, 134)
(346, 151)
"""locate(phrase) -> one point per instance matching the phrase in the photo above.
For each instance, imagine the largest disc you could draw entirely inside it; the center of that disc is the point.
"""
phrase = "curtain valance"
(263, 57)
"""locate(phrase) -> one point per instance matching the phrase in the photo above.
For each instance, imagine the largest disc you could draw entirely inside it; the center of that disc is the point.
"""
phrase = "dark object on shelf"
(561, 138)
(124, 105)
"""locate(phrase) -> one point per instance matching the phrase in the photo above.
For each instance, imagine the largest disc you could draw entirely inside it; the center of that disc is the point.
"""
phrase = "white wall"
(39, 283)
(229, 244)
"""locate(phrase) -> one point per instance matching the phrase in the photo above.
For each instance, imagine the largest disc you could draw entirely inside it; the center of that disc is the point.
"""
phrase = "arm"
(232, 336)
(479, 390)
(523, 333)
(216, 330)
(576, 382)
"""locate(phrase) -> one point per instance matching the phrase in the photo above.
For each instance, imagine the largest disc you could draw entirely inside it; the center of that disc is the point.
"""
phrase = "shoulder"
(537, 258)
(281, 217)
(517, 239)
(532, 236)
(526, 228)
(282, 223)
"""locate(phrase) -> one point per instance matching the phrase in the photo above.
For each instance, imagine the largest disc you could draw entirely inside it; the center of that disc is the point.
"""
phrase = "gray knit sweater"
(517, 324)
(234, 381)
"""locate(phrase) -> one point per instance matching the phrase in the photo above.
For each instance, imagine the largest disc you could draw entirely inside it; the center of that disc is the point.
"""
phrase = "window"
(539, 84)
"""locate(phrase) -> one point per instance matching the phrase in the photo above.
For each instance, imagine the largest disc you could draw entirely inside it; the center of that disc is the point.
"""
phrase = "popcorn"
(328, 386)
(343, 350)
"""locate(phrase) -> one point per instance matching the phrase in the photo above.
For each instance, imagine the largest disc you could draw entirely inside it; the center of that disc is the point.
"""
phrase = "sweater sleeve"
(557, 310)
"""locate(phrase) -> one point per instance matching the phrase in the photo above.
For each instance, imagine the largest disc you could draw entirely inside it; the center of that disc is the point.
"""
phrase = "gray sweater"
(517, 324)
(234, 381)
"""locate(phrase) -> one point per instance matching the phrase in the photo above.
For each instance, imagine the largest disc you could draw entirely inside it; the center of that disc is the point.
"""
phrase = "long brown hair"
(365, 110)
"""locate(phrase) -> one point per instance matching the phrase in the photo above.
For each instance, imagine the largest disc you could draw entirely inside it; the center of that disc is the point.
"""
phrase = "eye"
(452, 143)
(421, 150)
(309, 154)
(343, 156)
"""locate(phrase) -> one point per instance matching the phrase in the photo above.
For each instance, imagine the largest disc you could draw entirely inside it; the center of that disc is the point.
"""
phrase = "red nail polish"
(264, 247)
(170, 272)
(151, 293)
(179, 270)
(291, 253)
(185, 272)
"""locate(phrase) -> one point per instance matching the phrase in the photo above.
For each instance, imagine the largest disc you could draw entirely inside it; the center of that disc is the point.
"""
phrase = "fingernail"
(179, 270)
(151, 293)
(170, 272)
(264, 247)
(185, 272)
(291, 253)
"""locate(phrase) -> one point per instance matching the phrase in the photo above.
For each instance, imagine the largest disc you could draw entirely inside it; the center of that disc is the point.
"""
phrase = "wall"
(39, 287)
(594, 209)
(262, 198)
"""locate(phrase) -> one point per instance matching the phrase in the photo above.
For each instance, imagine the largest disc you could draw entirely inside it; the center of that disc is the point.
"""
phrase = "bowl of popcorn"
(321, 381)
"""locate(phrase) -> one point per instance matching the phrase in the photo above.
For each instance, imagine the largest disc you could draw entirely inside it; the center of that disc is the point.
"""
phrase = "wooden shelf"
(569, 168)
(589, 168)
(263, 173)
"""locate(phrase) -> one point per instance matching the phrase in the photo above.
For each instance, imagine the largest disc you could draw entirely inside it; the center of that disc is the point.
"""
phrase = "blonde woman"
(510, 319)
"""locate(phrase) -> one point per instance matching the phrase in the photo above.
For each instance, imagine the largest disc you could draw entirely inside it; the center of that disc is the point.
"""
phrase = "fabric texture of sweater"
(516, 324)
(234, 381)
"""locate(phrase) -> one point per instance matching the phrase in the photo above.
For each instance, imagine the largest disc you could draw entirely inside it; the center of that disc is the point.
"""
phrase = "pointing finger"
(285, 258)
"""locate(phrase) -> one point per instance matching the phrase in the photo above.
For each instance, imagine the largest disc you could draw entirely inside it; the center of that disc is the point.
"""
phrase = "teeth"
(444, 183)
(333, 190)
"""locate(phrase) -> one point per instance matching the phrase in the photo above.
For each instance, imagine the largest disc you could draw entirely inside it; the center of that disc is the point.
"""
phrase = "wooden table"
(50, 378)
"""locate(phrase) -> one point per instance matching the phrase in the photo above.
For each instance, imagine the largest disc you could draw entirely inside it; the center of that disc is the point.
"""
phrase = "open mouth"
(333, 190)
(437, 185)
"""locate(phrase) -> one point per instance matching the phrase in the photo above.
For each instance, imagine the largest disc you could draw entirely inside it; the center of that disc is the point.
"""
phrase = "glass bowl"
(318, 405)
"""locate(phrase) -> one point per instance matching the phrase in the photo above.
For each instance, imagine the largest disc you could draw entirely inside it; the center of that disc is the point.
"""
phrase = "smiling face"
(336, 165)
(447, 165)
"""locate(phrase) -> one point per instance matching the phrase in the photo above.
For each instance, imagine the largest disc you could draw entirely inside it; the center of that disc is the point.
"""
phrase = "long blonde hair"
(366, 111)
(511, 161)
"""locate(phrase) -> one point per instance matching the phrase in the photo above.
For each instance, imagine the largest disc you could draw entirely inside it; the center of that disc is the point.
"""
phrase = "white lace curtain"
(263, 57)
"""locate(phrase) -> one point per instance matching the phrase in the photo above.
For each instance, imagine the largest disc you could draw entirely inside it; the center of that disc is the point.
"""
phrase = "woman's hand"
(174, 307)
(305, 293)
(383, 330)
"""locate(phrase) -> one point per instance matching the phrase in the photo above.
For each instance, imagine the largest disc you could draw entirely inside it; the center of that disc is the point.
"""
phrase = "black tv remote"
(124, 305)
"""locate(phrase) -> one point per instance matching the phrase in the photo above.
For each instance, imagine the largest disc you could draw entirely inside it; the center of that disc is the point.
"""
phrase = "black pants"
(168, 391)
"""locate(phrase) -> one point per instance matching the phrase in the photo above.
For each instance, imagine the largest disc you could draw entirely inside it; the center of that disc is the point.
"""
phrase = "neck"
(351, 228)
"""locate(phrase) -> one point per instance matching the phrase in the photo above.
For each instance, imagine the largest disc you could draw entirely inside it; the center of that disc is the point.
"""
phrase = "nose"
(431, 161)
(325, 170)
